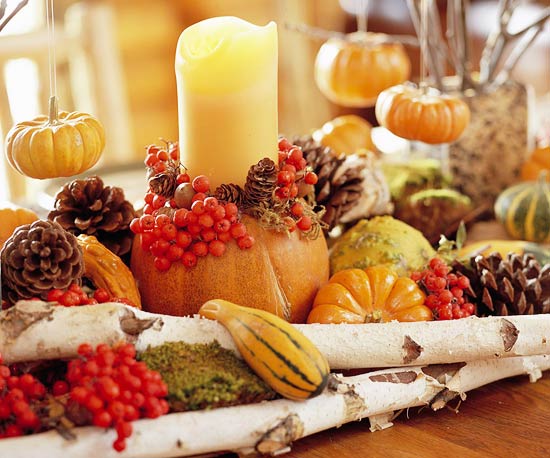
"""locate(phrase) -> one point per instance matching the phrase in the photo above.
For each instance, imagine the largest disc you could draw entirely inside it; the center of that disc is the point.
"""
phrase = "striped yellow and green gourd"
(524, 210)
(274, 349)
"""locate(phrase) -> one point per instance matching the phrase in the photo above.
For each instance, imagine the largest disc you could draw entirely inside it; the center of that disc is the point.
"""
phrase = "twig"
(429, 57)
(322, 34)
(3, 6)
(544, 15)
(16, 10)
(313, 32)
(517, 52)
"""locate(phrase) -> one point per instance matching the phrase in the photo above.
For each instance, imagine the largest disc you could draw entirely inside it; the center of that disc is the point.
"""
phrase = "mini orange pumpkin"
(11, 217)
(424, 115)
(352, 71)
(537, 162)
(346, 134)
(376, 294)
(59, 145)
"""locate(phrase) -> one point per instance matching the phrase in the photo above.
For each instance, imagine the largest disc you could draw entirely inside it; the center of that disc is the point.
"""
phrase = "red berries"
(444, 291)
(119, 390)
(185, 234)
(18, 395)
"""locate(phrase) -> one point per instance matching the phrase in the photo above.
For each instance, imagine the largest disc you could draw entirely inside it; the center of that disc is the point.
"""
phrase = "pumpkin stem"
(53, 110)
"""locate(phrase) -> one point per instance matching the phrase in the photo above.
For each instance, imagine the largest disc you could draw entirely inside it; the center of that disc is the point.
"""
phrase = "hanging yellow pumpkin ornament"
(352, 69)
(61, 144)
(422, 113)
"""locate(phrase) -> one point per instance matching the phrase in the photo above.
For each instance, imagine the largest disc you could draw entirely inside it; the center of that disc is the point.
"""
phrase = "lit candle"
(226, 72)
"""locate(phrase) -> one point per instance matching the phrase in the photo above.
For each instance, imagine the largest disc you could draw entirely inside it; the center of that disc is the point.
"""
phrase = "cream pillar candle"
(226, 72)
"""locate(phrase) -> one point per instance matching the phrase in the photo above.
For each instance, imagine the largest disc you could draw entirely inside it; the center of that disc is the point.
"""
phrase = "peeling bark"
(509, 334)
(411, 349)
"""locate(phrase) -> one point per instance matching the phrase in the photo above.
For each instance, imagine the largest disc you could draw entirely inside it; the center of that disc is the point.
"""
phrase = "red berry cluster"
(197, 226)
(444, 291)
(293, 171)
(17, 394)
(75, 296)
(159, 159)
(114, 387)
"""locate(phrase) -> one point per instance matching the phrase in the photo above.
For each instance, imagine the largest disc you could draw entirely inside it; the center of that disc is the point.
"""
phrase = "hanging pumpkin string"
(50, 25)
(422, 113)
(423, 84)
(362, 15)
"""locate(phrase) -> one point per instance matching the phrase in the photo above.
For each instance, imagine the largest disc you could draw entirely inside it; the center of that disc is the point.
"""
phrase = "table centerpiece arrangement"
(227, 313)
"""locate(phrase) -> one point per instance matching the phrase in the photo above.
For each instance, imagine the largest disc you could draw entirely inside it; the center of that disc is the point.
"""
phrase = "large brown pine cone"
(350, 187)
(38, 257)
(89, 207)
(515, 285)
(261, 182)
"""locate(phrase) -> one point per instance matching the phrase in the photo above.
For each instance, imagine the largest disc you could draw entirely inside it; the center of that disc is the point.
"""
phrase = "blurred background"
(115, 59)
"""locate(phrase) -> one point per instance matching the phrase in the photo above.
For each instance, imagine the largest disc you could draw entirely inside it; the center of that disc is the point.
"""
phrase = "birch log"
(270, 427)
(37, 330)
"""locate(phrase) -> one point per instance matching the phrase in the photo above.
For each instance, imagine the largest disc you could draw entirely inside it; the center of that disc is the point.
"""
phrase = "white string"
(362, 15)
(423, 41)
(50, 24)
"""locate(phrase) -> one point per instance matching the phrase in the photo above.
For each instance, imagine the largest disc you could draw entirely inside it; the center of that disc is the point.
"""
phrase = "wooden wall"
(148, 35)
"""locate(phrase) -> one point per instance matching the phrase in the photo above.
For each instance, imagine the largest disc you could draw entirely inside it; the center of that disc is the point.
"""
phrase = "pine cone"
(516, 285)
(165, 183)
(229, 193)
(88, 207)
(350, 187)
(261, 182)
(38, 257)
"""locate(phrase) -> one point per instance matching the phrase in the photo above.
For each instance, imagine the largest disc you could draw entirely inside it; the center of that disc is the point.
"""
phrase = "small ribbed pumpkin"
(422, 114)
(351, 71)
(62, 144)
(346, 134)
(524, 210)
(375, 294)
(537, 162)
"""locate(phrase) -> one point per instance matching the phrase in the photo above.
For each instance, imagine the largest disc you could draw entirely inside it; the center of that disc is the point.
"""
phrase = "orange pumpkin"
(11, 217)
(376, 294)
(424, 115)
(346, 134)
(59, 145)
(352, 71)
(537, 162)
(279, 273)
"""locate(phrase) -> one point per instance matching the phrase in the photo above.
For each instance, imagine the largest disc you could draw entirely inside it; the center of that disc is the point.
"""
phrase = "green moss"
(203, 376)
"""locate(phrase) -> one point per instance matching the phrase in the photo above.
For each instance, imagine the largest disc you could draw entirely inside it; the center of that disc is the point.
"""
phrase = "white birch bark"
(35, 330)
(272, 426)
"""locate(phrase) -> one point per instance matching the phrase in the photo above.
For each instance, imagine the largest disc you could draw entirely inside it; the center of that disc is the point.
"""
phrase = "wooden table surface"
(506, 419)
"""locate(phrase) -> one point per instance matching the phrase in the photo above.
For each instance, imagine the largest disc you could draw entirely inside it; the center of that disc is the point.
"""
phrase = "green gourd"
(524, 210)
